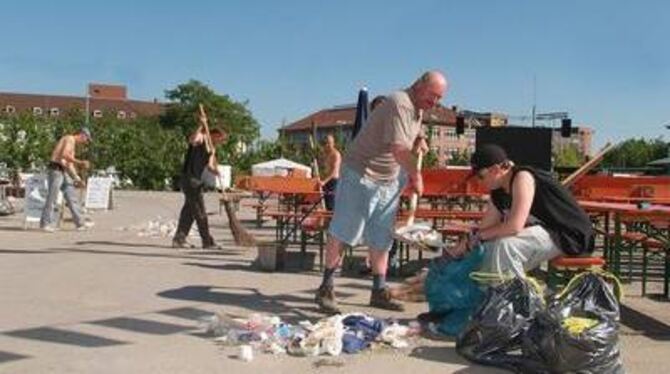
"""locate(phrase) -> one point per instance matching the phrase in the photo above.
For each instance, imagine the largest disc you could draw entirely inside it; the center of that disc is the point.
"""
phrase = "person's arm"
(405, 158)
(523, 192)
(491, 217)
(335, 161)
(68, 154)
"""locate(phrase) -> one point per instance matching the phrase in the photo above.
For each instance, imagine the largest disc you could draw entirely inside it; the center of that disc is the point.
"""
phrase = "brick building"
(102, 100)
(439, 125)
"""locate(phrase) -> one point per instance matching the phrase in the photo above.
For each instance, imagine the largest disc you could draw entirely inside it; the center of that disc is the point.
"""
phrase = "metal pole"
(534, 100)
(88, 105)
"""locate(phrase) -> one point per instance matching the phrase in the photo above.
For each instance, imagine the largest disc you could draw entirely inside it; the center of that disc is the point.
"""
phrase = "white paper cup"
(246, 353)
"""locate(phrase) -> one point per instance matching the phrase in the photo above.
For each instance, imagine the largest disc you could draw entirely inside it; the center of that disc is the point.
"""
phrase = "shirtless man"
(331, 161)
(62, 175)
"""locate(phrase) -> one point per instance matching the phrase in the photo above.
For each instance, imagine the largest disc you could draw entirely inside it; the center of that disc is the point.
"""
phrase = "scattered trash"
(350, 333)
(325, 362)
(156, 228)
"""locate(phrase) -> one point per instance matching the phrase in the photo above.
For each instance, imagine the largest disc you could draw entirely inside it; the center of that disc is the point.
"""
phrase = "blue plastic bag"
(451, 292)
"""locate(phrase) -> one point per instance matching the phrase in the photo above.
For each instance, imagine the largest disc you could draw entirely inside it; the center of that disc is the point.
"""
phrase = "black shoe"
(325, 298)
(382, 299)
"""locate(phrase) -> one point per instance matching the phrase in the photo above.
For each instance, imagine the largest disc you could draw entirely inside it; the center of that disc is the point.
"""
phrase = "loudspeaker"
(460, 125)
(566, 127)
(526, 146)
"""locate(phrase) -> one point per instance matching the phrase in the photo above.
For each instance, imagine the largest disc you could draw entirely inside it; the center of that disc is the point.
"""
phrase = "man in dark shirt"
(198, 157)
(530, 219)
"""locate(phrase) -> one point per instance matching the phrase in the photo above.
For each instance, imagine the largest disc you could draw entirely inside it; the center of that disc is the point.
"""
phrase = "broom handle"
(415, 197)
(208, 140)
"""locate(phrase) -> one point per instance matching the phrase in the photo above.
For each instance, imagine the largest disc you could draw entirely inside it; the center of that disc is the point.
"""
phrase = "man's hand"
(320, 183)
(79, 183)
(416, 183)
(85, 164)
(420, 145)
(458, 250)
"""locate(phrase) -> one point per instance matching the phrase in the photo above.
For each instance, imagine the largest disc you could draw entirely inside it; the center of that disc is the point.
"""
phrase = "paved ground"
(109, 301)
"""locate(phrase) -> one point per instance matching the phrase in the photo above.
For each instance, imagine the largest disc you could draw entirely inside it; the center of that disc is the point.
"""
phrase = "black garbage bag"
(495, 332)
(578, 332)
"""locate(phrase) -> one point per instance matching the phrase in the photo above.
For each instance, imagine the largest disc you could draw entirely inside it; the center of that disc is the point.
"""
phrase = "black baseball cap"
(487, 155)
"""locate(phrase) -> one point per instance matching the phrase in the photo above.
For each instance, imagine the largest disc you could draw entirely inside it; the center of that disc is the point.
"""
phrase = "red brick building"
(439, 124)
(102, 100)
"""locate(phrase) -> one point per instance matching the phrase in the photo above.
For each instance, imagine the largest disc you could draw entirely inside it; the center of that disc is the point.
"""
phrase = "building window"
(121, 114)
(133, 115)
(37, 111)
(9, 109)
(97, 113)
(54, 112)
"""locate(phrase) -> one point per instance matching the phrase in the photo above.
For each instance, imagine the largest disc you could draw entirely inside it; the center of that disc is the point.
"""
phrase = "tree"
(430, 160)
(460, 158)
(182, 108)
(568, 156)
(636, 152)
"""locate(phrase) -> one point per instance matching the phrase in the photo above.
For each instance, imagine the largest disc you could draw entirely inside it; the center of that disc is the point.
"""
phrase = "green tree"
(460, 158)
(430, 160)
(182, 108)
(636, 152)
(568, 156)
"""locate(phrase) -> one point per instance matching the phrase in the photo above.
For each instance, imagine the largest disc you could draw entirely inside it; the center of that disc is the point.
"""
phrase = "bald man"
(369, 188)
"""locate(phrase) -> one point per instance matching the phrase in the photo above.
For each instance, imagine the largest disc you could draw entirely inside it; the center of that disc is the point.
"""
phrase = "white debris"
(156, 228)
(421, 233)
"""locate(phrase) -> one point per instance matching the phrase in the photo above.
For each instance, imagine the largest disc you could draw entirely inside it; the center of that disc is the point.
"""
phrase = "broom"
(240, 234)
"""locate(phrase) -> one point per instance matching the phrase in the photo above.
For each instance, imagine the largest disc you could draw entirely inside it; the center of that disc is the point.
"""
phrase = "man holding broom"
(200, 155)
(369, 188)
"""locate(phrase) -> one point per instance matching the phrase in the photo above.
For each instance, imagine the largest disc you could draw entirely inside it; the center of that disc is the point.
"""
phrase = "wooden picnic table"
(631, 212)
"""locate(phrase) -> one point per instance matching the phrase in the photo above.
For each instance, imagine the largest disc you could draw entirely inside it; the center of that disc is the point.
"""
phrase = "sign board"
(213, 181)
(36, 189)
(99, 193)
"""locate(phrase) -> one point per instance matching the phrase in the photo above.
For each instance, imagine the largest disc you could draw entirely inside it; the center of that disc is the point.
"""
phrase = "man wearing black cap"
(62, 175)
(531, 218)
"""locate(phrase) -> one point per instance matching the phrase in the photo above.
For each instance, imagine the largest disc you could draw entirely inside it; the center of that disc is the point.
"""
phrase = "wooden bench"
(562, 268)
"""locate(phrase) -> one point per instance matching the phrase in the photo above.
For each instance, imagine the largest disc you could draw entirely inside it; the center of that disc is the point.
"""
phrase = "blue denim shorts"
(365, 210)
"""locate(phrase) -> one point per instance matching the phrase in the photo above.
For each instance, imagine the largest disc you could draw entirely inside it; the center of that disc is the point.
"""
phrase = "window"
(37, 111)
(133, 115)
(121, 114)
(97, 113)
(10, 109)
(54, 112)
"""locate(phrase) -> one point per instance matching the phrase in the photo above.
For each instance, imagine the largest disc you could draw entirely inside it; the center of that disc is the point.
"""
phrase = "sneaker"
(325, 298)
(212, 245)
(85, 226)
(181, 244)
(48, 229)
(382, 299)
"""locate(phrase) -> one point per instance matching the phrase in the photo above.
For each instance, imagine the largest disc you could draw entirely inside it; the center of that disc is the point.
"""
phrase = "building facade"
(439, 125)
(102, 100)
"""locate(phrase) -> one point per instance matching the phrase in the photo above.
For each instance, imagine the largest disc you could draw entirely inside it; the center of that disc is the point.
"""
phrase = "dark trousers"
(329, 194)
(194, 209)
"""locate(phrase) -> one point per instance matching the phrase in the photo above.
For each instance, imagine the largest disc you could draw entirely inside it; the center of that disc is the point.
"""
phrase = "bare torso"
(64, 148)
(331, 162)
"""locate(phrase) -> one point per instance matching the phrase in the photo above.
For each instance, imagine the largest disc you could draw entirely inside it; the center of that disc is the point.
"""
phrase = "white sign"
(99, 193)
(36, 189)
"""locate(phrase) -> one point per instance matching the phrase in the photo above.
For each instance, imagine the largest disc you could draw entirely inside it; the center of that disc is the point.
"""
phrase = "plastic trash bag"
(579, 331)
(360, 331)
(450, 291)
(495, 332)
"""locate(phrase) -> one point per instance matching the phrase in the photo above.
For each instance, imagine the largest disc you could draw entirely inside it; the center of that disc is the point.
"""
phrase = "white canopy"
(280, 166)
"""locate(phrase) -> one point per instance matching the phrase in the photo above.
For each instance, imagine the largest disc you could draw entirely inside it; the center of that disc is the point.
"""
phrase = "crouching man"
(531, 217)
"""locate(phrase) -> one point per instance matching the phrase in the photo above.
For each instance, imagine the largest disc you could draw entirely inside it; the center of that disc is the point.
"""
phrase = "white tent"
(280, 166)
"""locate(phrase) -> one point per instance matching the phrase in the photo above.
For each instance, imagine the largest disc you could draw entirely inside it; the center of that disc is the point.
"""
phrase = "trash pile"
(156, 228)
(348, 333)
(421, 234)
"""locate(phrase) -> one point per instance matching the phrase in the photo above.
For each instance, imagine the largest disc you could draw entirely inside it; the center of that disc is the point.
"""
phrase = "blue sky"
(607, 63)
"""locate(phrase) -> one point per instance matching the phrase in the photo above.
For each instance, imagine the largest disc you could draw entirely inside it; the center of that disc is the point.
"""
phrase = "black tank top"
(195, 162)
(555, 209)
